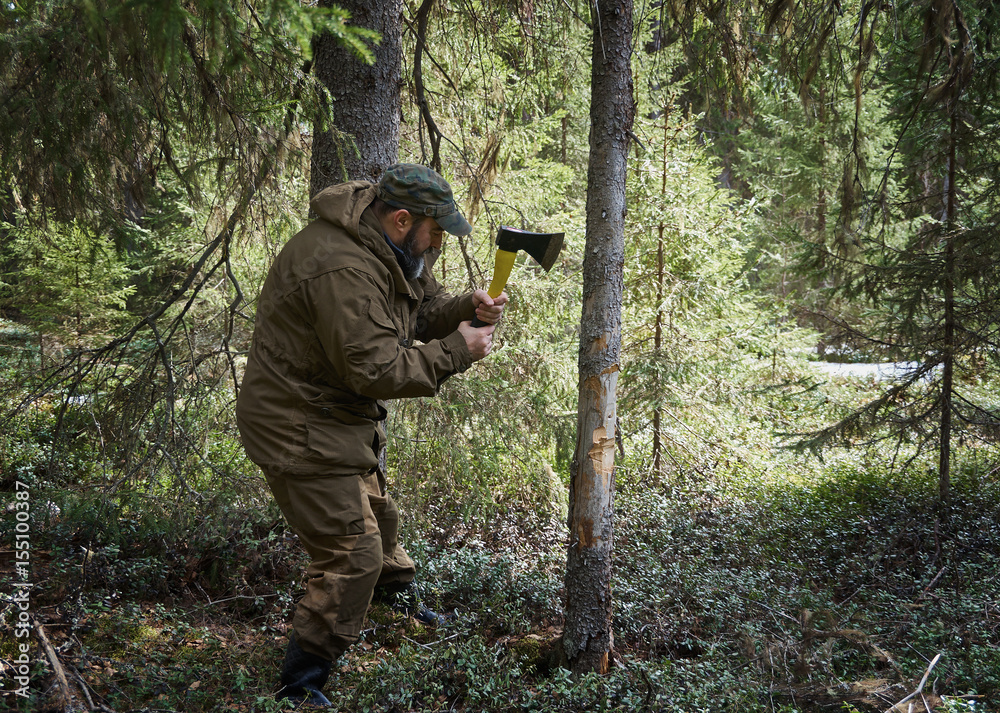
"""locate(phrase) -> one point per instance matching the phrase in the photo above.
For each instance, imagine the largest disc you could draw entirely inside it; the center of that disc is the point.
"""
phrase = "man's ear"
(402, 219)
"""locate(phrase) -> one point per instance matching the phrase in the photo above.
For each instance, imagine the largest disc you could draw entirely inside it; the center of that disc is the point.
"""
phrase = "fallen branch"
(765, 606)
(57, 667)
(229, 599)
(927, 705)
(920, 688)
(417, 643)
(430, 646)
(84, 688)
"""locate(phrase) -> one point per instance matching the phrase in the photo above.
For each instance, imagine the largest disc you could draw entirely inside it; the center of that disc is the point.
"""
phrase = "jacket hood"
(343, 204)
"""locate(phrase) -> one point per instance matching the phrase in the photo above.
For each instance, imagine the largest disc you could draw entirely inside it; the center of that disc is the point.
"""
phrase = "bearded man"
(348, 318)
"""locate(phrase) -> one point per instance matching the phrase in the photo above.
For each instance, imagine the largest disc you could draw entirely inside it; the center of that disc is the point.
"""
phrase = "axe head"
(544, 247)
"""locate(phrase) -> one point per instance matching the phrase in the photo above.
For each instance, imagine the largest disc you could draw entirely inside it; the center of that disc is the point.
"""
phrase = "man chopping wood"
(349, 317)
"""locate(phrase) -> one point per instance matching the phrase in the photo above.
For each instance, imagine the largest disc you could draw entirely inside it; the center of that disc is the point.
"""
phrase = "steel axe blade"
(544, 247)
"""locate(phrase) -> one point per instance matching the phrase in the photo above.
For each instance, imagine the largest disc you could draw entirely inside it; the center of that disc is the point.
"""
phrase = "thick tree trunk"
(588, 638)
(364, 137)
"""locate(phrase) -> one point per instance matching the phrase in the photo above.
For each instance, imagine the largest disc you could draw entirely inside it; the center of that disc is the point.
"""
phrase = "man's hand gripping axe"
(544, 247)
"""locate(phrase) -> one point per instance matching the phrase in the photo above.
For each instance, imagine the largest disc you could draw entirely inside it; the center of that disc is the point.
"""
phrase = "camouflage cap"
(422, 191)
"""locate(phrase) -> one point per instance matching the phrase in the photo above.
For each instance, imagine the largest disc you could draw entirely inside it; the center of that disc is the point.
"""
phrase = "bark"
(658, 333)
(588, 637)
(947, 380)
(359, 138)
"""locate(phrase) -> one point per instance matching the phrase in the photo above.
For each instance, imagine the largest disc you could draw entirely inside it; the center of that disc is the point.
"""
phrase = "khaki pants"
(348, 525)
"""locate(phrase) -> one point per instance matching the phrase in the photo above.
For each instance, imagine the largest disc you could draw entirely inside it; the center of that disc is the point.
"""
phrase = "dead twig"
(85, 688)
(417, 643)
(765, 606)
(927, 706)
(430, 646)
(930, 586)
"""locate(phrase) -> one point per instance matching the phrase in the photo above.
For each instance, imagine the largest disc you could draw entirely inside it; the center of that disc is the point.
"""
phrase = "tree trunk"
(588, 638)
(658, 333)
(948, 355)
(363, 139)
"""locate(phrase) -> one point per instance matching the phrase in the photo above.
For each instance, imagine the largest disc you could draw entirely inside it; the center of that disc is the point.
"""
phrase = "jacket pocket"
(342, 436)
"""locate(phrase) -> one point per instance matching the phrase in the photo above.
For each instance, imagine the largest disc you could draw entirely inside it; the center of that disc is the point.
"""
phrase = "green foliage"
(689, 319)
(100, 97)
(141, 147)
(707, 53)
(498, 591)
(480, 676)
(72, 285)
(724, 599)
(923, 262)
(814, 582)
(796, 161)
(513, 112)
(171, 169)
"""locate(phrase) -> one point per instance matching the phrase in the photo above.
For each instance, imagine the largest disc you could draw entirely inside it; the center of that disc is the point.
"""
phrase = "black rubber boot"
(405, 598)
(303, 677)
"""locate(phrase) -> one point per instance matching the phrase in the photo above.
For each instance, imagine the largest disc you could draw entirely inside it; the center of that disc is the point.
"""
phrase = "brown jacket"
(335, 336)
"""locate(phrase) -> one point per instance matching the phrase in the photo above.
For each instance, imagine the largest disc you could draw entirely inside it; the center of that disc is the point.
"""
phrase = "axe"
(544, 247)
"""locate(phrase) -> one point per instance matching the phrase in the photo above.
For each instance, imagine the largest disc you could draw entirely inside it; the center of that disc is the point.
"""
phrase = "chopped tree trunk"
(588, 637)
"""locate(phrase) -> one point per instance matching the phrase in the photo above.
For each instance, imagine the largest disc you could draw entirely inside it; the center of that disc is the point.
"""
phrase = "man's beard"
(413, 265)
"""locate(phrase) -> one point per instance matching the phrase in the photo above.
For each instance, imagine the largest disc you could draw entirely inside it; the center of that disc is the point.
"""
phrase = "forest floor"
(847, 595)
(751, 581)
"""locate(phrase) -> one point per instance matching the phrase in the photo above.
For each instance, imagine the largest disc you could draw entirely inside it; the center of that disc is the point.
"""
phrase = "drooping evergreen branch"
(865, 420)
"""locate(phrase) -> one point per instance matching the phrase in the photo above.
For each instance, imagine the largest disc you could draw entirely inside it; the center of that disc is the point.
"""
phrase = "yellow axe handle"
(501, 271)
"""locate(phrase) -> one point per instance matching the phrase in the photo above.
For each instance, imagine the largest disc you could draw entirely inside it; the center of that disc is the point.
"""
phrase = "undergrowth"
(744, 579)
(836, 592)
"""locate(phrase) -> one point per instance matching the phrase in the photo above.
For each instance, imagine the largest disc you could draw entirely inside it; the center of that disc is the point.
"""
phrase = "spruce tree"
(926, 260)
